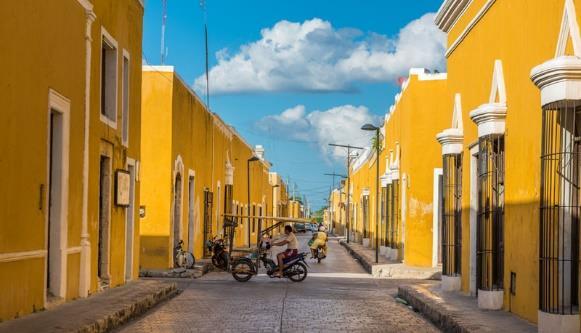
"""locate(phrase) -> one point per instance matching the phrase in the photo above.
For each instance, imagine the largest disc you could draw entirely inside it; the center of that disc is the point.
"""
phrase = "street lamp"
(274, 204)
(369, 127)
(250, 160)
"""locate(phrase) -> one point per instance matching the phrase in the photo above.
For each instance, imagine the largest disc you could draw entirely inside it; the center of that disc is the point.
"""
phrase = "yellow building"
(71, 138)
(189, 155)
(513, 74)
(410, 183)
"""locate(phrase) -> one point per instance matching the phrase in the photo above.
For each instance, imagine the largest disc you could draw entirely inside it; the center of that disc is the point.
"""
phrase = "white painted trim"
(113, 42)
(178, 169)
(26, 255)
(73, 250)
(86, 4)
(436, 215)
(470, 26)
(473, 216)
(553, 323)
(130, 244)
(451, 283)
(126, 55)
(62, 105)
(490, 117)
(191, 210)
(106, 149)
(490, 299)
(569, 28)
(403, 190)
(450, 12)
(85, 265)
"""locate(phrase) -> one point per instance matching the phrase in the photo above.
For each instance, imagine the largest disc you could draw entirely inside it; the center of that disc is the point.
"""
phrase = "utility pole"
(331, 202)
(203, 5)
(349, 147)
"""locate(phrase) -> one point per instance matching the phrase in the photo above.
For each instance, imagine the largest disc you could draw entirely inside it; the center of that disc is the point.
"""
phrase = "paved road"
(336, 296)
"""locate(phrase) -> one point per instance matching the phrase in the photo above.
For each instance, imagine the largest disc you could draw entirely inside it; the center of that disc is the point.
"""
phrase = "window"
(451, 215)
(383, 216)
(125, 105)
(560, 208)
(108, 80)
(490, 220)
(365, 215)
(253, 219)
(389, 214)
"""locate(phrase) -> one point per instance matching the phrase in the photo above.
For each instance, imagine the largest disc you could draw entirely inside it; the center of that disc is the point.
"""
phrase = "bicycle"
(183, 259)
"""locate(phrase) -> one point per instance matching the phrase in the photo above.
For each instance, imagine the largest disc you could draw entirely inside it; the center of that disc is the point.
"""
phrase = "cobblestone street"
(336, 296)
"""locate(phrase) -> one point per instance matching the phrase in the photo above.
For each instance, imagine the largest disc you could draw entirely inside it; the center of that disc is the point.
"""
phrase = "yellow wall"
(523, 34)
(56, 30)
(413, 125)
(182, 127)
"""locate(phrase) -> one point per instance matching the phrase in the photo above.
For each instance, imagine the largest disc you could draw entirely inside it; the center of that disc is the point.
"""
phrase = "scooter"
(295, 267)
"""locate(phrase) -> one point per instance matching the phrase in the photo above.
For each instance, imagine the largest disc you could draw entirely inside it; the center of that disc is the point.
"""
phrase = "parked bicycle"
(183, 259)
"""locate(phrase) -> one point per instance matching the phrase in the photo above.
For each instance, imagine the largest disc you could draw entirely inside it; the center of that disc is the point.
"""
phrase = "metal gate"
(451, 215)
(490, 229)
(560, 208)
(208, 200)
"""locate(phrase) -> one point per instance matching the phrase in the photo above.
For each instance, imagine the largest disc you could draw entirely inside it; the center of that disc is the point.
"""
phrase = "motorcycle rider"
(320, 241)
(292, 248)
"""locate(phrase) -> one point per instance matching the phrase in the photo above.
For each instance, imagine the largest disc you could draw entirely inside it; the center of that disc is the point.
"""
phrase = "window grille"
(365, 213)
(389, 208)
(383, 216)
(559, 220)
(451, 215)
(490, 229)
(395, 223)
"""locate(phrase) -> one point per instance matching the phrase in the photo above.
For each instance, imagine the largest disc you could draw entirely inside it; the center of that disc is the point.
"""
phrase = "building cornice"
(450, 12)
(558, 79)
(490, 118)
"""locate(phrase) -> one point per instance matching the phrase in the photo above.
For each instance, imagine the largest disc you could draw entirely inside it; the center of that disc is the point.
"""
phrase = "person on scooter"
(319, 241)
(292, 248)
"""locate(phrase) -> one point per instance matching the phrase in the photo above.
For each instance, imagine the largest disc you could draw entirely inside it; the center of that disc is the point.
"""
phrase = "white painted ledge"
(553, 323)
(451, 283)
(490, 300)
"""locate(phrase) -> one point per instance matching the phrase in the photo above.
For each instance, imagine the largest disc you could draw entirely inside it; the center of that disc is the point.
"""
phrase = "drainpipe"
(85, 269)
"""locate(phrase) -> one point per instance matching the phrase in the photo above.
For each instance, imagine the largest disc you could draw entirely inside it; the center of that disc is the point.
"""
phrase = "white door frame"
(130, 222)
(60, 104)
(473, 216)
(191, 213)
(436, 215)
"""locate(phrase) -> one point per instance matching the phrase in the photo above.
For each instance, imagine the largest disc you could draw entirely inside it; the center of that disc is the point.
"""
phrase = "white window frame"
(125, 110)
(105, 35)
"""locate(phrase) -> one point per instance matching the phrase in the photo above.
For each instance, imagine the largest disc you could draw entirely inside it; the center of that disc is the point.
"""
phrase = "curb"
(434, 311)
(122, 316)
(195, 273)
(362, 261)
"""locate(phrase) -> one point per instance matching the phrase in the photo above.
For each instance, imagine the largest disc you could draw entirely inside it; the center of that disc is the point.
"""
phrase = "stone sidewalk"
(99, 313)
(386, 268)
(454, 312)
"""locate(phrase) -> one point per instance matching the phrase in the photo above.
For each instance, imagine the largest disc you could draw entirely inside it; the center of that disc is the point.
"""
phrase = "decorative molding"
(73, 250)
(450, 12)
(452, 139)
(470, 26)
(490, 117)
(17, 256)
(560, 78)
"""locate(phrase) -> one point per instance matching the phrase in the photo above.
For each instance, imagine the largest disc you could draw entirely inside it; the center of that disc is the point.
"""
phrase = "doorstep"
(454, 312)
(387, 269)
(101, 312)
(200, 269)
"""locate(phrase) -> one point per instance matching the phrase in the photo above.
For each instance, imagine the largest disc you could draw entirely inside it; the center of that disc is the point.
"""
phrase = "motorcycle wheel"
(319, 259)
(242, 271)
(298, 272)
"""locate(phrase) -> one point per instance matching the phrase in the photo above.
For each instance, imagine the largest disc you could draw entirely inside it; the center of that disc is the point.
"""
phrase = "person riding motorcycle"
(319, 241)
(292, 247)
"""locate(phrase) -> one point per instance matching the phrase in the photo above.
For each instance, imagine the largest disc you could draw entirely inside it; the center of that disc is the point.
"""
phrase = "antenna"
(163, 21)
(203, 6)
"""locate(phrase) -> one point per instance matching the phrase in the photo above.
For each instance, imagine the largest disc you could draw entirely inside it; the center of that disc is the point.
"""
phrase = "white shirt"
(293, 243)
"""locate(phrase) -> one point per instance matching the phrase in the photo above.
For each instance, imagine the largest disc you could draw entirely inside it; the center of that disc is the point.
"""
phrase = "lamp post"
(274, 204)
(369, 127)
(250, 160)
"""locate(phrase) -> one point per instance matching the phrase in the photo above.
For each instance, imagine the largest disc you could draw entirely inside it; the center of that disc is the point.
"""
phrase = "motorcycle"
(295, 267)
(320, 253)
(217, 247)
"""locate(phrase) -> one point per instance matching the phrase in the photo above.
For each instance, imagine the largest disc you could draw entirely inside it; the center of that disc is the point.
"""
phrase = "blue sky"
(296, 75)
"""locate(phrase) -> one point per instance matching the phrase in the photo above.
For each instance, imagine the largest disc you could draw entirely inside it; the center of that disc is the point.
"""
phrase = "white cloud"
(341, 124)
(315, 56)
